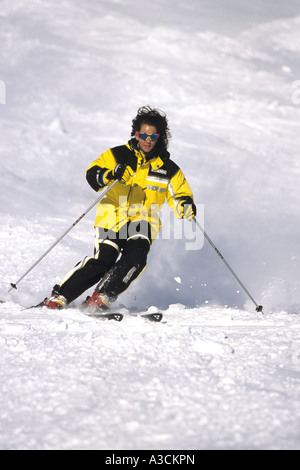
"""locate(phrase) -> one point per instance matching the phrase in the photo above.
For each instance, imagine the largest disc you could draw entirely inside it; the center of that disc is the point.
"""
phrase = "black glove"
(185, 208)
(121, 172)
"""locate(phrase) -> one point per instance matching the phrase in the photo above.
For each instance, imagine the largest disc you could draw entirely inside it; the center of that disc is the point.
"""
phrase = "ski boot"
(97, 303)
(56, 301)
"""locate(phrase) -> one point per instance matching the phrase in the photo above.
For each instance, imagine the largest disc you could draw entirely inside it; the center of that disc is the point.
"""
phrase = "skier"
(127, 220)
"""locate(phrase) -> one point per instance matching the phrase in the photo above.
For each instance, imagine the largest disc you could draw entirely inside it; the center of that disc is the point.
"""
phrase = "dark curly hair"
(153, 117)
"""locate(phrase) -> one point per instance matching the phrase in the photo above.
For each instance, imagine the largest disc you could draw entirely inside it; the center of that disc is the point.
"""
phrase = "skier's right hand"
(121, 172)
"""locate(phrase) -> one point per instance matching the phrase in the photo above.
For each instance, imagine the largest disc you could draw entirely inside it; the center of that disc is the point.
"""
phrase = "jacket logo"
(159, 170)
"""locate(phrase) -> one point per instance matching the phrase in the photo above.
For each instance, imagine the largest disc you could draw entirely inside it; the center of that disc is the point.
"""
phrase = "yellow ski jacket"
(155, 180)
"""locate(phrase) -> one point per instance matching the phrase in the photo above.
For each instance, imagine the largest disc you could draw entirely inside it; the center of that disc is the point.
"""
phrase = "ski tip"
(107, 316)
(117, 316)
(158, 316)
(154, 317)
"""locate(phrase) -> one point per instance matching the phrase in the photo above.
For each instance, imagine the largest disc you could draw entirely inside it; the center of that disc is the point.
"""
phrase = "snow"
(214, 374)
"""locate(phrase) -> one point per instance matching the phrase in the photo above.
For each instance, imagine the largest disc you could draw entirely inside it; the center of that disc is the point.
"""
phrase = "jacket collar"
(154, 159)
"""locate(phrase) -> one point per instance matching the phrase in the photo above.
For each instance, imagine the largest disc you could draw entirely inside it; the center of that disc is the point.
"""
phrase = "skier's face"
(148, 144)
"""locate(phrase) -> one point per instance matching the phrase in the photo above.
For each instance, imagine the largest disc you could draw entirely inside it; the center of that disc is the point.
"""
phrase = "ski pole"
(103, 193)
(259, 308)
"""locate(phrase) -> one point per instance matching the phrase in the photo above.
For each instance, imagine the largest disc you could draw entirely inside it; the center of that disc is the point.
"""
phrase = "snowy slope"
(211, 379)
(219, 374)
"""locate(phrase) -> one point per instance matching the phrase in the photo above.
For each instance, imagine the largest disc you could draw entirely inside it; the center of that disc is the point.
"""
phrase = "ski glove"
(185, 208)
(121, 172)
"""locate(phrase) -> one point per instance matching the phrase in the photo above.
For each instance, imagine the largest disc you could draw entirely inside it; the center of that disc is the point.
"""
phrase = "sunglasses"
(144, 136)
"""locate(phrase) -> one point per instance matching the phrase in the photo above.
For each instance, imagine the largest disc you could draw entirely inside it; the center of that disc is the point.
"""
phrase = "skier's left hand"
(186, 209)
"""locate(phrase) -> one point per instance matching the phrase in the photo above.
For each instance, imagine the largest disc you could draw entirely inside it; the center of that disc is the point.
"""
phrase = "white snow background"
(215, 374)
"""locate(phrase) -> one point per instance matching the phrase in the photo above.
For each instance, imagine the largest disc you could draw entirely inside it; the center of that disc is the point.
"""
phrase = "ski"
(107, 316)
(152, 317)
(122, 312)
(118, 316)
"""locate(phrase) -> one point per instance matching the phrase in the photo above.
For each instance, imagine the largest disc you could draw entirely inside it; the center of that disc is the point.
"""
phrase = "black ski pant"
(116, 264)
